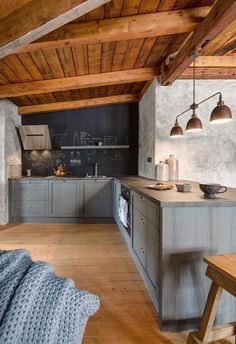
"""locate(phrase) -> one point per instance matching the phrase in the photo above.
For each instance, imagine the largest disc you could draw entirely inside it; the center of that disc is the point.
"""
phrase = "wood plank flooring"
(96, 258)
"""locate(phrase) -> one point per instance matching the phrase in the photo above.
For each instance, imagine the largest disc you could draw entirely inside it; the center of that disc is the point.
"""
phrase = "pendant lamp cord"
(194, 57)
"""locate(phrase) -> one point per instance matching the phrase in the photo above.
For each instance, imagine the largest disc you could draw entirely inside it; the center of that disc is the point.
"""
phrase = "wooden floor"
(98, 261)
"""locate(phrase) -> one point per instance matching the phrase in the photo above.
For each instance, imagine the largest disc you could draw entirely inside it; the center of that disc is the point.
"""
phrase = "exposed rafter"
(78, 82)
(37, 18)
(210, 73)
(215, 61)
(117, 29)
(221, 15)
(77, 104)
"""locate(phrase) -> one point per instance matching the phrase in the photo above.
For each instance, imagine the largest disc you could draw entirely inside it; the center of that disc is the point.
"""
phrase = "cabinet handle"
(142, 250)
(140, 198)
(142, 221)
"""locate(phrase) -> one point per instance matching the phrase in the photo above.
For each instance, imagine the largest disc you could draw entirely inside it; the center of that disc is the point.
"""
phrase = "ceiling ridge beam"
(78, 82)
(37, 18)
(221, 15)
(78, 104)
(117, 29)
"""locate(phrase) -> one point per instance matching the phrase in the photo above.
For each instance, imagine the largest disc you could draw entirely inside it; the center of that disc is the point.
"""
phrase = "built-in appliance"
(125, 208)
(35, 137)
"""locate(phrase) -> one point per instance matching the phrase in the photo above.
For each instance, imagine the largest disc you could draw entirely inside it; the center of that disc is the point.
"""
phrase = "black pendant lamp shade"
(176, 131)
(221, 113)
(194, 124)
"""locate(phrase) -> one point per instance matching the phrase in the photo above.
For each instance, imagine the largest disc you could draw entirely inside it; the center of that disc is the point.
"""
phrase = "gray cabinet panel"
(64, 198)
(117, 191)
(30, 208)
(146, 207)
(152, 253)
(97, 198)
(30, 194)
(139, 237)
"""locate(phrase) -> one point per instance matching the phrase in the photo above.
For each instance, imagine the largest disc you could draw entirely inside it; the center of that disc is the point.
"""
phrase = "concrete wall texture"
(208, 156)
(10, 152)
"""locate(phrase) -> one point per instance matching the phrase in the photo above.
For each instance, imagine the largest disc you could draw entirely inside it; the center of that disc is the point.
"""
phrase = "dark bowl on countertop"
(211, 189)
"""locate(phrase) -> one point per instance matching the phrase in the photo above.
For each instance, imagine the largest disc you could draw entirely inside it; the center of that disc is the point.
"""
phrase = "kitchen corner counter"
(173, 198)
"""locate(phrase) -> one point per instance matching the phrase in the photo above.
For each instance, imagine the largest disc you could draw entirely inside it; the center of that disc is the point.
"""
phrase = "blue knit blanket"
(36, 306)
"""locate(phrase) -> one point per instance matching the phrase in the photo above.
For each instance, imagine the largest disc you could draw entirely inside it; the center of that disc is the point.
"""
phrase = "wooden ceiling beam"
(78, 82)
(37, 18)
(225, 38)
(215, 61)
(78, 104)
(210, 73)
(123, 28)
(221, 15)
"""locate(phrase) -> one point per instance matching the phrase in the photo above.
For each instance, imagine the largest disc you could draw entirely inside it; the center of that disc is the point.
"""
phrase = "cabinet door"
(97, 198)
(152, 252)
(139, 236)
(117, 191)
(64, 198)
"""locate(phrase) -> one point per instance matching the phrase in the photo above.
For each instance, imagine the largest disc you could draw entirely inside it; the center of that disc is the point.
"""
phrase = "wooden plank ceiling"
(123, 45)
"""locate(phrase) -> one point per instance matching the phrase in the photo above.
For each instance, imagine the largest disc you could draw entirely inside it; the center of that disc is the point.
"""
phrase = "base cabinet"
(29, 198)
(96, 198)
(146, 237)
(64, 198)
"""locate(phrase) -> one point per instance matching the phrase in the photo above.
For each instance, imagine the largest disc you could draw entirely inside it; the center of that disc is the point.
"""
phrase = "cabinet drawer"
(30, 184)
(149, 209)
(30, 208)
(30, 194)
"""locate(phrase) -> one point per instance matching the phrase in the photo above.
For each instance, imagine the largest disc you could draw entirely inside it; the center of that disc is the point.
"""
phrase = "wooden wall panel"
(114, 9)
(108, 50)
(8, 73)
(94, 58)
(19, 69)
(148, 6)
(80, 54)
(41, 63)
(53, 62)
(30, 66)
(67, 61)
(130, 7)
(119, 55)
(132, 53)
(145, 51)
(158, 50)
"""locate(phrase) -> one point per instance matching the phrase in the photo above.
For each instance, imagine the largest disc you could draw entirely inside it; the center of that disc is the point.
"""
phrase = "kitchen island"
(171, 233)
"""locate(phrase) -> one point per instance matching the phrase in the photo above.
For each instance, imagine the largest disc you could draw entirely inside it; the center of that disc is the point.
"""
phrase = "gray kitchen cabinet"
(28, 198)
(146, 235)
(96, 198)
(117, 191)
(64, 198)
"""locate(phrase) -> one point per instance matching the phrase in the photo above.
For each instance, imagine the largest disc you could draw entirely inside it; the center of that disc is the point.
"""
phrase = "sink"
(93, 176)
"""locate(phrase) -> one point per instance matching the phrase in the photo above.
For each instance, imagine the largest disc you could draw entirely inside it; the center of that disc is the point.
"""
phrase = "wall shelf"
(97, 147)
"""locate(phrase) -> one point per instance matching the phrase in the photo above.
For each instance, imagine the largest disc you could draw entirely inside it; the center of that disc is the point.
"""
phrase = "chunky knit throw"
(36, 306)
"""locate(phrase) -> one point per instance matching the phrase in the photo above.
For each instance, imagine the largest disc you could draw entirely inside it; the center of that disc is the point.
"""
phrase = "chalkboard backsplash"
(108, 126)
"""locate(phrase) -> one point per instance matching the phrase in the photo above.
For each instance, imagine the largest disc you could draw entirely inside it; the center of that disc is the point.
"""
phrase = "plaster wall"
(147, 131)
(10, 152)
(208, 156)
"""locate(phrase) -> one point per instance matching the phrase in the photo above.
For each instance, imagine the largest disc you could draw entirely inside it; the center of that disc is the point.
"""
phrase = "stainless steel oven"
(125, 208)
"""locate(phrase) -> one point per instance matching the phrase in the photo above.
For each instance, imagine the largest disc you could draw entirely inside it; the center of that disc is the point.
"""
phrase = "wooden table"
(222, 271)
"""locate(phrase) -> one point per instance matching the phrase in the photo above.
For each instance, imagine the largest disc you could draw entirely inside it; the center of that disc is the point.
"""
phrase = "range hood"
(35, 137)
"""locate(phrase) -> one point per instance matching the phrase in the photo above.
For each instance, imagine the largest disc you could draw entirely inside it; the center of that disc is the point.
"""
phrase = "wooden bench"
(222, 271)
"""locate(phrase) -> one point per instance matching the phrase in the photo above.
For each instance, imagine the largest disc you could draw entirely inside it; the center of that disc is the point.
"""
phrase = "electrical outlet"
(149, 159)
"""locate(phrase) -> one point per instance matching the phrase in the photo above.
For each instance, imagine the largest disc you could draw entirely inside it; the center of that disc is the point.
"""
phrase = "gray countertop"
(165, 198)
(173, 198)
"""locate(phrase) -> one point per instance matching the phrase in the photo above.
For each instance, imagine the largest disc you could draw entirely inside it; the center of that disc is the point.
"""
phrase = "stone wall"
(10, 152)
(208, 156)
